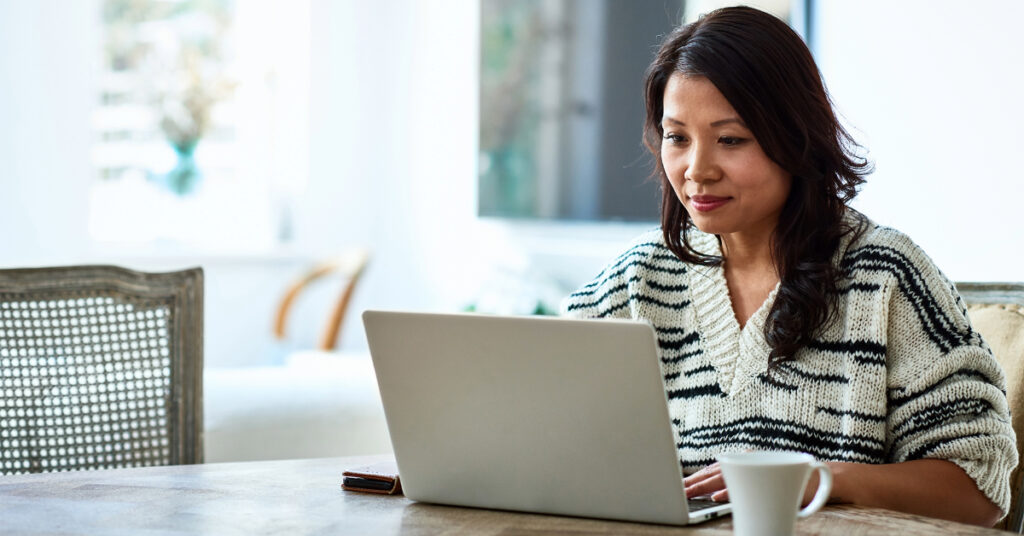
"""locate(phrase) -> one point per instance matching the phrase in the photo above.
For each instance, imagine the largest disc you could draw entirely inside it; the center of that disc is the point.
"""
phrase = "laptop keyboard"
(700, 504)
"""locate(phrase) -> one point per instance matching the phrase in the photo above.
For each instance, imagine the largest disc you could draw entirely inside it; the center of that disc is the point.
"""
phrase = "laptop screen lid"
(538, 414)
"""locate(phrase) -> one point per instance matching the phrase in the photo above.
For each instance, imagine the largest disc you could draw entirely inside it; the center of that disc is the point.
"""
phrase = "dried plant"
(178, 48)
(185, 104)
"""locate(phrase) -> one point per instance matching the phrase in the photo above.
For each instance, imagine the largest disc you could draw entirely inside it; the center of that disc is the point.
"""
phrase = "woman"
(786, 320)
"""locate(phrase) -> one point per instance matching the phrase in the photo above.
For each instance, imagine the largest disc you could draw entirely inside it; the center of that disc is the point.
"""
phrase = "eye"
(731, 141)
(674, 138)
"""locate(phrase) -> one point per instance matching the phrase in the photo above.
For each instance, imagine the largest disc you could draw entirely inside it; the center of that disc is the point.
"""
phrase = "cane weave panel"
(84, 382)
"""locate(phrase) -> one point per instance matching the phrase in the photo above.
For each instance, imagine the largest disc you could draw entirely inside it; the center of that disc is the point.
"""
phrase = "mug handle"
(824, 488)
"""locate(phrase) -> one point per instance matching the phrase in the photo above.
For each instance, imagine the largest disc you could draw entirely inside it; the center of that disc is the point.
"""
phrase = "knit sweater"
(899, 375)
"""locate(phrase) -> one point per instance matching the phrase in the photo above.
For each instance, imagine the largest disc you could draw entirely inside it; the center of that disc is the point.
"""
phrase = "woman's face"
(717, 169)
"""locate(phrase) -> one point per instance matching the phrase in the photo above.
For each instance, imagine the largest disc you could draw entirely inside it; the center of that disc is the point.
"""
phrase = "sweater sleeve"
(946, 392)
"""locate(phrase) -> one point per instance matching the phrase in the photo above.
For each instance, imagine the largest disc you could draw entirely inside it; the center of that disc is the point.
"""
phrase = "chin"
(710, 225)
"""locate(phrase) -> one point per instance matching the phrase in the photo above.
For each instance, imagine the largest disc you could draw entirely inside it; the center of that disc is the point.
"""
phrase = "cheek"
(674, 171)
(778, 184)
(770, 190)
(784, 186)
(757, 173)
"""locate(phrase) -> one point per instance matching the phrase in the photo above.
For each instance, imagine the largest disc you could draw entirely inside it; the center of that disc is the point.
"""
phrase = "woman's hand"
(709, 481)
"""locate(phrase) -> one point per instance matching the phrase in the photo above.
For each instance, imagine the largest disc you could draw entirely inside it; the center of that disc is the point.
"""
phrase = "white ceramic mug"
(765, 489)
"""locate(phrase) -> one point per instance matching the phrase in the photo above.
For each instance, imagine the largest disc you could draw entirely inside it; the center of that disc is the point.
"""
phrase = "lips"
(707, 203)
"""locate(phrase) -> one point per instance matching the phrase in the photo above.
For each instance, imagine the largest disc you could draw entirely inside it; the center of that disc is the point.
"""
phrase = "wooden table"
(304, 497)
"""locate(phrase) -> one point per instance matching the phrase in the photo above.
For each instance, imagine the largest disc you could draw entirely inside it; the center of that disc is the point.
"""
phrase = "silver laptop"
(535, 414)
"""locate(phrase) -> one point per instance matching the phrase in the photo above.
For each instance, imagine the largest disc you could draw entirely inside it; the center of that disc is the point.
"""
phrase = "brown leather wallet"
(380, 477)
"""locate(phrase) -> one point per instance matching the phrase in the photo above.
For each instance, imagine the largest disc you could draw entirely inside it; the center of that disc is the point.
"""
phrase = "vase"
(185, 176)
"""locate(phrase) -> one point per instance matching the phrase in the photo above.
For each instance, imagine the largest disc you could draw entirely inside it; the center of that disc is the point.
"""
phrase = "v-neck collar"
(738, 354)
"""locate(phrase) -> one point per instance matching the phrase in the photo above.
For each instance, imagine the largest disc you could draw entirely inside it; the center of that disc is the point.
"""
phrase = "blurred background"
(486, 153)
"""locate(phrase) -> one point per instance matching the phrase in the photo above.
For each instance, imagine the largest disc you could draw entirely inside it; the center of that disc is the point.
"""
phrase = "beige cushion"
(1002, 326)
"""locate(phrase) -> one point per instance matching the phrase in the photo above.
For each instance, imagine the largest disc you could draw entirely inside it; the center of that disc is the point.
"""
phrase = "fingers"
(704, 473)
(707, 481)
(713, 485)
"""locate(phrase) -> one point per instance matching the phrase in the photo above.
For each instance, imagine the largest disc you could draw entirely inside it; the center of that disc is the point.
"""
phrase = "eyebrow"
(718, 123)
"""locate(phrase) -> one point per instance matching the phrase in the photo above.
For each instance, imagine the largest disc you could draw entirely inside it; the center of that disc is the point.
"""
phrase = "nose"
(701, 165)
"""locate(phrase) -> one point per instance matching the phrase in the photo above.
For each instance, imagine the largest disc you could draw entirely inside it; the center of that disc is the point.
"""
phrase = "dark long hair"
(768, 75)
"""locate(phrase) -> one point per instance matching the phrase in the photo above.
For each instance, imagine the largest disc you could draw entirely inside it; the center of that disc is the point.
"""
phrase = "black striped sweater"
(901, 375)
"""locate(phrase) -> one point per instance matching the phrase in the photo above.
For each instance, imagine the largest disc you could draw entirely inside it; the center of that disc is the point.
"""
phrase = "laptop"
(534, 414)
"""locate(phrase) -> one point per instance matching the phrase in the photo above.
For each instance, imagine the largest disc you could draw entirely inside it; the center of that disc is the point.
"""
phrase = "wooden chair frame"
(351, 265)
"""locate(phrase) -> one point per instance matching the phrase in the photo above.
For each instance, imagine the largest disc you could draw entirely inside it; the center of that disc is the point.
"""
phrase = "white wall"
(393, 139)
(934, 90)
(45, 135)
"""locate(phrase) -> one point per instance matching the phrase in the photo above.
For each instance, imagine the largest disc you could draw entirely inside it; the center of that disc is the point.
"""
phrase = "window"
(561, 110)
(201, 123)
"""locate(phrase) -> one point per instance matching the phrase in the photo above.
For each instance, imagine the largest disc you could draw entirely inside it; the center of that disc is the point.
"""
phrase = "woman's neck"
(748, 251)
(750, 273)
